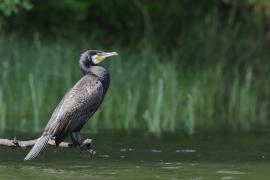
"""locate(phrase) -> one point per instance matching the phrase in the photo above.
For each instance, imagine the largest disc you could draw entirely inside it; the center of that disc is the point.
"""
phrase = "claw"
(91, 151)
(86, 145)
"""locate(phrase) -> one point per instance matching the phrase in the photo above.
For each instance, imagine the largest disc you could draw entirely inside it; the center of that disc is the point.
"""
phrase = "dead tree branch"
(30, 143)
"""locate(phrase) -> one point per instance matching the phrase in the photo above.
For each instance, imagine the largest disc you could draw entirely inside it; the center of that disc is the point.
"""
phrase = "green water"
(137, 157)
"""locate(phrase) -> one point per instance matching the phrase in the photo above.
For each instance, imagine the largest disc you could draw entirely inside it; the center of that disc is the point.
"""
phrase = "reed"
(2, 112)
(209, 81)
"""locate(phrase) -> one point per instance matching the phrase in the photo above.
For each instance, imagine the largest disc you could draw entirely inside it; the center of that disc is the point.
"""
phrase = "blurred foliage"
(207, 62)
(131, 21)
(7, 7)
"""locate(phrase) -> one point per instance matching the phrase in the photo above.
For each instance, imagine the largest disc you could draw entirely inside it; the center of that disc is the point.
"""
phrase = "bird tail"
(38, 147)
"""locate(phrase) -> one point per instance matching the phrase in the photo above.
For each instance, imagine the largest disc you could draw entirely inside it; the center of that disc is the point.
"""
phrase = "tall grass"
(214, 78)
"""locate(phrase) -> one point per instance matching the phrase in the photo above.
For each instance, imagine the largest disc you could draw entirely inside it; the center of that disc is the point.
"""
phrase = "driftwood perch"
(26, 144)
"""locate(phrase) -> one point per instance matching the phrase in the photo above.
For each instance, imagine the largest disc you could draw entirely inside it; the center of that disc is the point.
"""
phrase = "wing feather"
(76, 106)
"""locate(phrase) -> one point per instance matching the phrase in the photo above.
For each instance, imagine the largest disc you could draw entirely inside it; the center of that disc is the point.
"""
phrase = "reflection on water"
(231, 172)
(155, 150)
(185, 150)
(104, 155)
(119, 157)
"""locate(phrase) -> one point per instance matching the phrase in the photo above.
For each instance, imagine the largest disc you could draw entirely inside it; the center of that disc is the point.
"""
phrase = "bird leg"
(76, 139)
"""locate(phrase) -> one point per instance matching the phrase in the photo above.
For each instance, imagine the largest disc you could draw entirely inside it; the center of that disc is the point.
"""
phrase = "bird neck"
(100, 72)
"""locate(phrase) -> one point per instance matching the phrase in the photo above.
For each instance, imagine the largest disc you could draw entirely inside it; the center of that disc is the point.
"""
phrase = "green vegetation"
(150, 90)
(210, 74)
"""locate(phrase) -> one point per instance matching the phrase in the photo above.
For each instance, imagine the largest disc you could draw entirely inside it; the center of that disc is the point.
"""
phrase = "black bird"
(79, 103)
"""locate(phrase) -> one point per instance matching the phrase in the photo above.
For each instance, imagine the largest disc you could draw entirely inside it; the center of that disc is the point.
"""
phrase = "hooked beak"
(103, 55)
(108, 54)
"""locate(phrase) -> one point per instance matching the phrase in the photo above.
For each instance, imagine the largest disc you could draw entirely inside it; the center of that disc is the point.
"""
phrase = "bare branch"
(30, 143)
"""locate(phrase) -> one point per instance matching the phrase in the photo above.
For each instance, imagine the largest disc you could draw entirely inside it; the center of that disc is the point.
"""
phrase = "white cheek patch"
(94, 59)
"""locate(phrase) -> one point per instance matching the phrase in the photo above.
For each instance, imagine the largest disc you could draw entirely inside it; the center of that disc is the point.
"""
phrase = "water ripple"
(230, 172)
(186, 151)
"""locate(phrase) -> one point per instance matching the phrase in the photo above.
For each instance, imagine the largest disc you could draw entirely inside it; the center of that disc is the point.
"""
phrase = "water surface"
(126, 157)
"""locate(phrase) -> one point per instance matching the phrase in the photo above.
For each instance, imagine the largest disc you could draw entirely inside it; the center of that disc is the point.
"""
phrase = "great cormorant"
(79, 103)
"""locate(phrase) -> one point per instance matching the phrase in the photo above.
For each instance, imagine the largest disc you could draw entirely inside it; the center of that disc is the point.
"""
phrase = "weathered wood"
(30, 143)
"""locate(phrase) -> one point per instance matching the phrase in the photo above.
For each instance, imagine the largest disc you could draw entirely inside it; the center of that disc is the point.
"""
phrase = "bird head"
(96, 56)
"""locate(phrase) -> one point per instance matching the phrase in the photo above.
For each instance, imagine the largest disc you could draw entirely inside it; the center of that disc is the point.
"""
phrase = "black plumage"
(79, 103)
